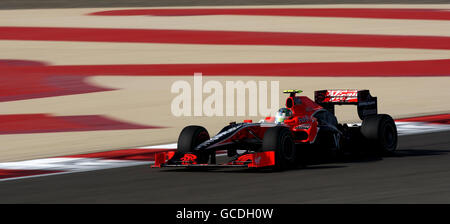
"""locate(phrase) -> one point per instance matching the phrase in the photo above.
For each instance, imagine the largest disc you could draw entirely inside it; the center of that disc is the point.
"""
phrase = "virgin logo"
(337, 93)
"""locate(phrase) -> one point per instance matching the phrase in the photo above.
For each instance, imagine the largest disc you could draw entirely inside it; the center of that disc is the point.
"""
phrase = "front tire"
(280, 140)
(189, 138)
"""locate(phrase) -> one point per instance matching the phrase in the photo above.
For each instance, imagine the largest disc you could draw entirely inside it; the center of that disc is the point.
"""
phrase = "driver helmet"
(282, 115)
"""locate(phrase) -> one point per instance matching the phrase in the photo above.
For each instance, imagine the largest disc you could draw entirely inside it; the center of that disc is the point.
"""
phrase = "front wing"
(249, 160)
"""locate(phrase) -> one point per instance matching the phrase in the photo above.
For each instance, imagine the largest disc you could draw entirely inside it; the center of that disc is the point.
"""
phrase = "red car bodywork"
(303, 125)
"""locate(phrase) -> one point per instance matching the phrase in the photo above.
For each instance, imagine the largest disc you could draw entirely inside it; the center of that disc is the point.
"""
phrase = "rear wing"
(366, 104)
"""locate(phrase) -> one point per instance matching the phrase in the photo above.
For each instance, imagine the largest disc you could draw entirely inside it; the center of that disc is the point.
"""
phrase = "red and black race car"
(280, 142)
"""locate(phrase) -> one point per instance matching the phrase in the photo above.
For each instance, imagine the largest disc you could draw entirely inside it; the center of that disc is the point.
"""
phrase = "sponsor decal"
(342, 92)
(188, 159)
(341, 95)
(305, 119)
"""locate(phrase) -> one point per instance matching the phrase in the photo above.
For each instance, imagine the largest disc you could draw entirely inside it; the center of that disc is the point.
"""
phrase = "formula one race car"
(280, 142)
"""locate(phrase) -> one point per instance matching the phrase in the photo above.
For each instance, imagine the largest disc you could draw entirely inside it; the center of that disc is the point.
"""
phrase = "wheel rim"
(389, 136)
(288, 148)
(201, 137)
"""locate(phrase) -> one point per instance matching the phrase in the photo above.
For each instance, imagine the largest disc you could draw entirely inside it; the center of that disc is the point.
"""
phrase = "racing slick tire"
(280, 140)
(190, 137)
(381, 132)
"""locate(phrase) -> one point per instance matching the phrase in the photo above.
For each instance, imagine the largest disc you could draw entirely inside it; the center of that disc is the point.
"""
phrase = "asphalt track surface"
(419, 172)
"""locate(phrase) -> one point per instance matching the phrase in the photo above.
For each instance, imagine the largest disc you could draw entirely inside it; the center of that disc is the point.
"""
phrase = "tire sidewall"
(380, 133)
(388, 135)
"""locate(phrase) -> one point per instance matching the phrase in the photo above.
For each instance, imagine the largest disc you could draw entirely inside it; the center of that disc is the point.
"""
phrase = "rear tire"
(381, 132)
(280, 140)
(189, 138)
